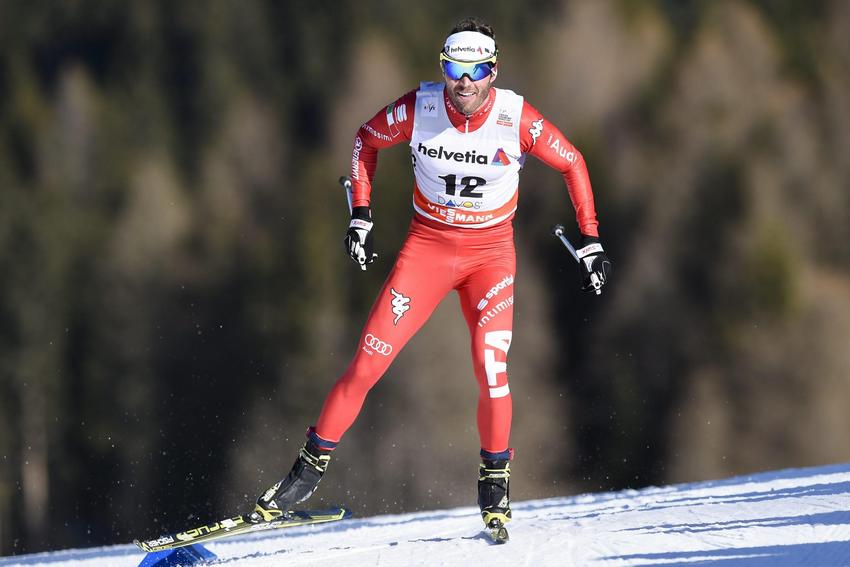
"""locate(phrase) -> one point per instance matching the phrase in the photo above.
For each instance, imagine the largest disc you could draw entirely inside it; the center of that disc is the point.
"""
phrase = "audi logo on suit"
(378, 345)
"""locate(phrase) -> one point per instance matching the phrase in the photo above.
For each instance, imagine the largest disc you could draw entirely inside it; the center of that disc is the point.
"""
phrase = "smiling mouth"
(465, 94)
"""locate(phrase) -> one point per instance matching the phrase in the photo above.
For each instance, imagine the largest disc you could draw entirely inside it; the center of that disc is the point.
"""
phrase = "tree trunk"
(34, 473)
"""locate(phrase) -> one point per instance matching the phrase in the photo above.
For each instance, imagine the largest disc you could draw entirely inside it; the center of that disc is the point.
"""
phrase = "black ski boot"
(298, 486)
(494, 497)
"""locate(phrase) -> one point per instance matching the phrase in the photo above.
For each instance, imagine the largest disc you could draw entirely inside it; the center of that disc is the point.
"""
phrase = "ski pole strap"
(361, 224)
(594, 248)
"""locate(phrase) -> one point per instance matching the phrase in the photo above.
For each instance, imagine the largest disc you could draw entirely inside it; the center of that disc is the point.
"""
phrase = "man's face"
(467, 95)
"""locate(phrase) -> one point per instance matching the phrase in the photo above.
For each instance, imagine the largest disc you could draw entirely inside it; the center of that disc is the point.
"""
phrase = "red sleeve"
(390, 126)
(543, 140)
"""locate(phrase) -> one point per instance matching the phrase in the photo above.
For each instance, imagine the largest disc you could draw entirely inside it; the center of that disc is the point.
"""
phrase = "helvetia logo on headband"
(468, 49)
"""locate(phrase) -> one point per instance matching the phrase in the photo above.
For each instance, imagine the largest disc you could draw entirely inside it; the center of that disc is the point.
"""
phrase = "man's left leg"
(487, 301)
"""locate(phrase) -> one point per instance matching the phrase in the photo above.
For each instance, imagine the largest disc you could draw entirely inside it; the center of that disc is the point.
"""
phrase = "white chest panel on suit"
(467, 179)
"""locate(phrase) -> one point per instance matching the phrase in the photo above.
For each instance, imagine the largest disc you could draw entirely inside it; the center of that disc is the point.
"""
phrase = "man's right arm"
(391, 125)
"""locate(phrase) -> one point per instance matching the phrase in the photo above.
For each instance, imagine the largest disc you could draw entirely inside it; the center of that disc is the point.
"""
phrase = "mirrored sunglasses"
(475, 70)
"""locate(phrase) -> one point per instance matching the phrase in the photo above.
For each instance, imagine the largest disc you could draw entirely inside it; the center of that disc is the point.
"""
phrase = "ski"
(241, 525)
(497, 531)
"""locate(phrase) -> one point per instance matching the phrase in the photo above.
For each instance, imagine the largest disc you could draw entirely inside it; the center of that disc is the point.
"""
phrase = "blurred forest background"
(175, 300)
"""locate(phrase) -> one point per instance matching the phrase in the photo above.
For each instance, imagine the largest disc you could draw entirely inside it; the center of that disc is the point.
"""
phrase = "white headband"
(469, 46)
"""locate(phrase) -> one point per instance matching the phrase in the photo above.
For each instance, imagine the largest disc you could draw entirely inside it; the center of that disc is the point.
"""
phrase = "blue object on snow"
(195, 554)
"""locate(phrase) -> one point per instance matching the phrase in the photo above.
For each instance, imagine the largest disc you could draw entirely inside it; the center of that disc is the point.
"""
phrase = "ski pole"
(346, 184)
(345, 181)
(558, 231)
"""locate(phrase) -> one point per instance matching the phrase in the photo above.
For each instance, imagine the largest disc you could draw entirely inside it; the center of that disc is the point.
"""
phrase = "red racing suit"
(460, 238)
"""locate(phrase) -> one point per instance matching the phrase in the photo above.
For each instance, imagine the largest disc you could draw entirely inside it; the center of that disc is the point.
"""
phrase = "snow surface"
(792, 517)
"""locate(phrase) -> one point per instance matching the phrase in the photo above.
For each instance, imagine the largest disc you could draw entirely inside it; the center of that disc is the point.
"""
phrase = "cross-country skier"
(468, 142)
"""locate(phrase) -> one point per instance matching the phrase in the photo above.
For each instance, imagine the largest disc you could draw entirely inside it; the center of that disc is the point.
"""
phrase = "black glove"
(594, 264)
(358, 239)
